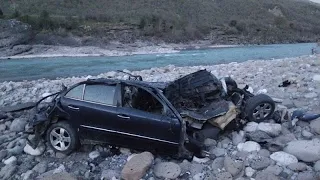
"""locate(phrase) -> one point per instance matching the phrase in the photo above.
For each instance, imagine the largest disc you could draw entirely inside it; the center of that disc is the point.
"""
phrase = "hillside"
(221, 21)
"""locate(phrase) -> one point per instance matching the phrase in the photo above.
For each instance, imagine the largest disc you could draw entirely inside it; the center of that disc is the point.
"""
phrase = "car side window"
(99, 93)
(76, 92)
(141, 99)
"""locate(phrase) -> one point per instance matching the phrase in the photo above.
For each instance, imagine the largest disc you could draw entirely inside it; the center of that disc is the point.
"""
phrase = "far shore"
(49, 51)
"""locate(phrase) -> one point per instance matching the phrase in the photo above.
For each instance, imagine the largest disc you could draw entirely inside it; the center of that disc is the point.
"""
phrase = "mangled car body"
(173, 117)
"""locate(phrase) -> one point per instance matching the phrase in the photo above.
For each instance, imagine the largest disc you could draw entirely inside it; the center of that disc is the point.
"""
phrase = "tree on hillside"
(1, 13)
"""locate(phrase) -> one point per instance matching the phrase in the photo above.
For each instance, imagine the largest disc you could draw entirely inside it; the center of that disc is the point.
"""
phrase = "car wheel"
(259, 108)
(62, 137)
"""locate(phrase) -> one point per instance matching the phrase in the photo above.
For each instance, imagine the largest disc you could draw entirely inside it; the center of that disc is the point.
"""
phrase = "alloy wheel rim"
(262, 111)
(60, 138)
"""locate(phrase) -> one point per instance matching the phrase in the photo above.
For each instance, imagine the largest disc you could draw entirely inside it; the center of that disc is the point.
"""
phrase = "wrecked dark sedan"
(173, 117)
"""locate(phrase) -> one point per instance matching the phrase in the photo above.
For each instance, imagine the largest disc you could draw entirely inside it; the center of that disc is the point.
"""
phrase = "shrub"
(45, 21)
(1, 13)
(16, 14)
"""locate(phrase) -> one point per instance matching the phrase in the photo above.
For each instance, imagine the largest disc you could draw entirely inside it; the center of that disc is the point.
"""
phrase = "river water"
(36, 68)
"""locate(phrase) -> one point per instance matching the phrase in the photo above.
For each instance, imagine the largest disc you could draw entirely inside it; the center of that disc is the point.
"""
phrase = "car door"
(99, 112)
(158, 128)
(71, 103)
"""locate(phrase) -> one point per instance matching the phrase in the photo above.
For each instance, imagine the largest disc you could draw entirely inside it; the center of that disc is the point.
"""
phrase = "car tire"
(259, 108)
(62, 137)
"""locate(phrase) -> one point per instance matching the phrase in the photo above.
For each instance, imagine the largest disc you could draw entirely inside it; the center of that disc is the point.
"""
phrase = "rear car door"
(99, 112)
(146, 121)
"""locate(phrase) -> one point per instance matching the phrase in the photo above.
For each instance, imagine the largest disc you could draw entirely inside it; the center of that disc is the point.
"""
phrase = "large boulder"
(304, 150)
(13, 32)
(137, 166)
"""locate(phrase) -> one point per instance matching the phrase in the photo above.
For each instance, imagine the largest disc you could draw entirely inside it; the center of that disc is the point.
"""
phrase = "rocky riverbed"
(263, 151)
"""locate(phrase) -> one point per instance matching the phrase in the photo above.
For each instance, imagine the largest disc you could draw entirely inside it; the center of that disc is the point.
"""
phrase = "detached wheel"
(259, 108)
(62, 137)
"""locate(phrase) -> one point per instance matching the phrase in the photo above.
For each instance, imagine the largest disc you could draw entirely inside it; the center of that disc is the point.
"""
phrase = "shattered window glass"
(100, 94)
(76, 92)
(140, 99)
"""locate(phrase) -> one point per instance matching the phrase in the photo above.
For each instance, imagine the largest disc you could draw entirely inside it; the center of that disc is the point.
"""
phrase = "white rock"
(249, 146)
(250, 89)
(94, 154)
(251, 126)
(316, 77)
(307, 134)
(45, 94)
(262, 91)
(125, 151)
(59, 169)
(283, 158)
(315, 125)
(304, 150)
(34, 152)
(10, 160)
(249, 171)
(199, 176)
(130, 157)
(270, 128)
(200, 160)
(26, 175)
(311, 95)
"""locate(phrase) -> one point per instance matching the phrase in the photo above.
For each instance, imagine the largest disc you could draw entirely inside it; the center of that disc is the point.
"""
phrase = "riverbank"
(258, 160)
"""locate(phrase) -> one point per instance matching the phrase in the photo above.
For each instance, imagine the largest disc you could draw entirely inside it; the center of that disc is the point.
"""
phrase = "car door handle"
(123, 116)
(73, 107)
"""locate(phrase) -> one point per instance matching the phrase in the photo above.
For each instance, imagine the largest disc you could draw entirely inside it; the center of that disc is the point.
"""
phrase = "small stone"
(210, 142)
(249, 171)
(248, 146)
(316, 77)
(26, 175)
(137, 166)
(270, 128)
(274, 169)
(251, 127)
(7, 171)
(50, 175)
(18, 124)
(60, 155)
(35, 152)
(59, 169)
(283, 158)
(3, 127)
(264, 152)
(315, 125)
(41, 167)
(224, 176)
(108, 174)
(167, 170)
(307, 175)
(259, 162)
(234, 167)
(266, 175)
(125, 151)
(259, 136)
(200, 160)
(237, 137)
(94, 155)
(297, 166)
(10, 160)
(306, 134)
(316, 166)
(87, 174)
(217, 164)
(218, 152)
(311, 95)
(3, 154)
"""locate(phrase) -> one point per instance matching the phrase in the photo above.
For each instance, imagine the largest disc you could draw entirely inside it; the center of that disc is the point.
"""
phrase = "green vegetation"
(174, 20)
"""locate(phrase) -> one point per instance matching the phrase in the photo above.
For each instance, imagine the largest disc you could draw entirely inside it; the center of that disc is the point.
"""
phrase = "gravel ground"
(248, 153)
